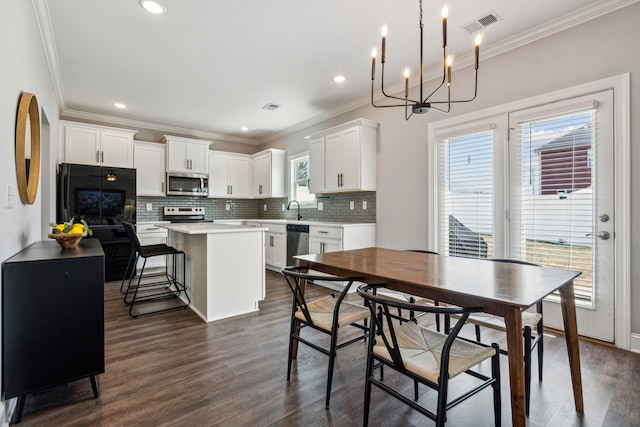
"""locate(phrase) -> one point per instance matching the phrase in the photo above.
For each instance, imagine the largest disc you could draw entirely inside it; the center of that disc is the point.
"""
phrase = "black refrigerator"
(104, 197)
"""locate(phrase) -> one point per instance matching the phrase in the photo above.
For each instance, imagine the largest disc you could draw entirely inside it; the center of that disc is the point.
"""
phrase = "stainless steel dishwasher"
(297, 241)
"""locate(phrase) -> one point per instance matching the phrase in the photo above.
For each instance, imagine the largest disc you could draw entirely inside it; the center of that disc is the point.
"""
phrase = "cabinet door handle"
(323, 232)
(97, 156)
(162, 187)
(231, 189)
(102, 157)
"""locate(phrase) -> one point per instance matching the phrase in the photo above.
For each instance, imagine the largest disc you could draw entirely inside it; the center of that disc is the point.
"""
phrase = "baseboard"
(635, 343)
(6, 411)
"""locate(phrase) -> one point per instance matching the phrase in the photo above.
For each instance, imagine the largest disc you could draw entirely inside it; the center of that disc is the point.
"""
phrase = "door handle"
(604, 235)
(97, 156)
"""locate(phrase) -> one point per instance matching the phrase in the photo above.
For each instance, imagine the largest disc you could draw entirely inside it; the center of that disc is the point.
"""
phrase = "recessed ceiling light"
(119, 105)
(244, 128)
(154, 7)
(339, 78)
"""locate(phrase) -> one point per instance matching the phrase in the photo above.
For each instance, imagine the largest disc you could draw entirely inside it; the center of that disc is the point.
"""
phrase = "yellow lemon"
(78, 225)
(60, 227)
(76, 230)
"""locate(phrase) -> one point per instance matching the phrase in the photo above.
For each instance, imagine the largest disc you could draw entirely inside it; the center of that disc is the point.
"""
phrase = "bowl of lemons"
(68, 234)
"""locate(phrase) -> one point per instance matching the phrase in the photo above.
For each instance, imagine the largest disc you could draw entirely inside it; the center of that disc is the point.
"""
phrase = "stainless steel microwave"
(187, 184)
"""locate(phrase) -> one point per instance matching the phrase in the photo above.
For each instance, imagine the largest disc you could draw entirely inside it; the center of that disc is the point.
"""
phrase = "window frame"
(292, 160)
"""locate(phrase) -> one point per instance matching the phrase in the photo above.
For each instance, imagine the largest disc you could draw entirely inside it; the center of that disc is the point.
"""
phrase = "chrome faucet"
(298, 203)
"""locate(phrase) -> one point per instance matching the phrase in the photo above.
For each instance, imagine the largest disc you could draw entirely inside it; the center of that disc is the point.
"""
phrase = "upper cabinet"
(149, 161)
(187, 155)
(343, 158)
(97, 145)
(229, 175)
(269, 173)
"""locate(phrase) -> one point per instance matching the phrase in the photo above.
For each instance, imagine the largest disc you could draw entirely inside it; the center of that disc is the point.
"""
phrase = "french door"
(536, 185)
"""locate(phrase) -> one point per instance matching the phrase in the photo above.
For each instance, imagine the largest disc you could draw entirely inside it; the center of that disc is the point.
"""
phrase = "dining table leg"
(513, 322)
(568, 306)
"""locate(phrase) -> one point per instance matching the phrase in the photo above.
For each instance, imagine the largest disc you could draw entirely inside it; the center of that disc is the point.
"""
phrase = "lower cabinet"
(52, 318)
(149, 234)
(332, 238)
(275, 252)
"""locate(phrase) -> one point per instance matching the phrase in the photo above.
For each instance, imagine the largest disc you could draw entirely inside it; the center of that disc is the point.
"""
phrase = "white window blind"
(466, 195)
(552, 203)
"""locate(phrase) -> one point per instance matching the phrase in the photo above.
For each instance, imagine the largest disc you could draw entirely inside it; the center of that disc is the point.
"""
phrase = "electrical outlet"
(149, 207)
(265, 207)
(8, 196)
(364, 205)
(320, 206)
(283, 207)
(227, 207)
(352, 205)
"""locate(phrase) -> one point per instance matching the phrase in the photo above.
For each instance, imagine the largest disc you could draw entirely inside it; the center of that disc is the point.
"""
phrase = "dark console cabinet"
(52, 317)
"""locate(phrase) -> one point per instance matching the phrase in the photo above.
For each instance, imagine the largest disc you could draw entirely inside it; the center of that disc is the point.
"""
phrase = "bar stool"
(166, 288)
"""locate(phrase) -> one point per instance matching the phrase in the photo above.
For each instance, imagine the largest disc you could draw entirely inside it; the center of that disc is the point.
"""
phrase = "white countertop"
(293, 221)
(208, 228)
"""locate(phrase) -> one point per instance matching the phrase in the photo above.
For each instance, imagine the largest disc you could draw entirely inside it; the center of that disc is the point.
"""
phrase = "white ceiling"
(210, 66)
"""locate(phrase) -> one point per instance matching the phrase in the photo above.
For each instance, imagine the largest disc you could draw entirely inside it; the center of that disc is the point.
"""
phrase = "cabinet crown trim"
(167, 138)
(64, 123)
(343, 126)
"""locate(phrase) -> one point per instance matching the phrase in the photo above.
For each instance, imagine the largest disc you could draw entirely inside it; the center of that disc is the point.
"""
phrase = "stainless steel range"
(184, 214)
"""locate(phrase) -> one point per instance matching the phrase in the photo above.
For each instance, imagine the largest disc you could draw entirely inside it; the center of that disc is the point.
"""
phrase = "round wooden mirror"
(28, 147)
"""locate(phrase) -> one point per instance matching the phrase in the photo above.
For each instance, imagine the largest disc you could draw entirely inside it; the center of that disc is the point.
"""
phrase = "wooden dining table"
(502, 289)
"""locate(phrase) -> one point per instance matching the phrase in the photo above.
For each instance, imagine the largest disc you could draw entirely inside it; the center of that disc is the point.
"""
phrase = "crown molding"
(69, 114)
(580, 16)
(43, 19)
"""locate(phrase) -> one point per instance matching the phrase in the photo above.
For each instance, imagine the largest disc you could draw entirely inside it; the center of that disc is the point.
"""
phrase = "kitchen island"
(224, 267)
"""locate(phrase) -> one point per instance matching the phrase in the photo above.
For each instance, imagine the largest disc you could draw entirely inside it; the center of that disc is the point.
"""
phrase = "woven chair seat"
(496, 322)
(421, 348)
(400, 295)
(321, 312)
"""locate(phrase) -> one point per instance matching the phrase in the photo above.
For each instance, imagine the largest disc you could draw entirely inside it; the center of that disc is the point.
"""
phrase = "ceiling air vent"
(481, 22)
(271, 106)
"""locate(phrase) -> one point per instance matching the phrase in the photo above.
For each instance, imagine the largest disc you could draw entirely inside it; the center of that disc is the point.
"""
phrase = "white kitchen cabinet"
(229, 175)
(150, 234)
(346, 155)
(269, 173)
(149, 159)
(187, 155)
(324, 239)
(275, 252)
(316, 167)
(333, 238)
(97, 145)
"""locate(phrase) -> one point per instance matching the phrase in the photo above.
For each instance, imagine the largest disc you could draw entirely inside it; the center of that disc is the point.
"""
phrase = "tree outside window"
(300, 180)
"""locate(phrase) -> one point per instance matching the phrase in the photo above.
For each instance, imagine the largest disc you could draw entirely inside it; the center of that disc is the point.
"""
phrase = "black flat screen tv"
(92, 202)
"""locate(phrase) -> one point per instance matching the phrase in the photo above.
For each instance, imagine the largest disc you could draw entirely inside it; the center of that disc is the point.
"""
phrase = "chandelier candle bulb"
(384, 43)
(406, 83)
(478, 40)
(445, 13)
(449, 62)
(374, 53)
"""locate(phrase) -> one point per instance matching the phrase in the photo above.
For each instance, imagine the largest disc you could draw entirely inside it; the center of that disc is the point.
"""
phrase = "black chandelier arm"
(444, 79)
(461, 101)
(385, 94)
(389, 105)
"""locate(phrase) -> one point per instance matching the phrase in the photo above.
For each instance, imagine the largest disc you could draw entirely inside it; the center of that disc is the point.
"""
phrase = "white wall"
(595, 50)
(24, 68)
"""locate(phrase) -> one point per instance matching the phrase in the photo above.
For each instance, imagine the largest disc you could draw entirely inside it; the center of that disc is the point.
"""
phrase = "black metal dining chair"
(429, 357)
(327, 314)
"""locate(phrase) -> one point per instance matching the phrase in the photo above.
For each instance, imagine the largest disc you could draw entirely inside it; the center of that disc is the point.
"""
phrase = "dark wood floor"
(173, 369)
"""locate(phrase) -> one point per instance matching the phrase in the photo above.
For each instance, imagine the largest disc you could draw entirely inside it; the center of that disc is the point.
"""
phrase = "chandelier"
(423, 104)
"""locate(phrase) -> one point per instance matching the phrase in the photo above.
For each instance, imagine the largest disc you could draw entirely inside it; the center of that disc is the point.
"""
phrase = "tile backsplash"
(336, 208)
